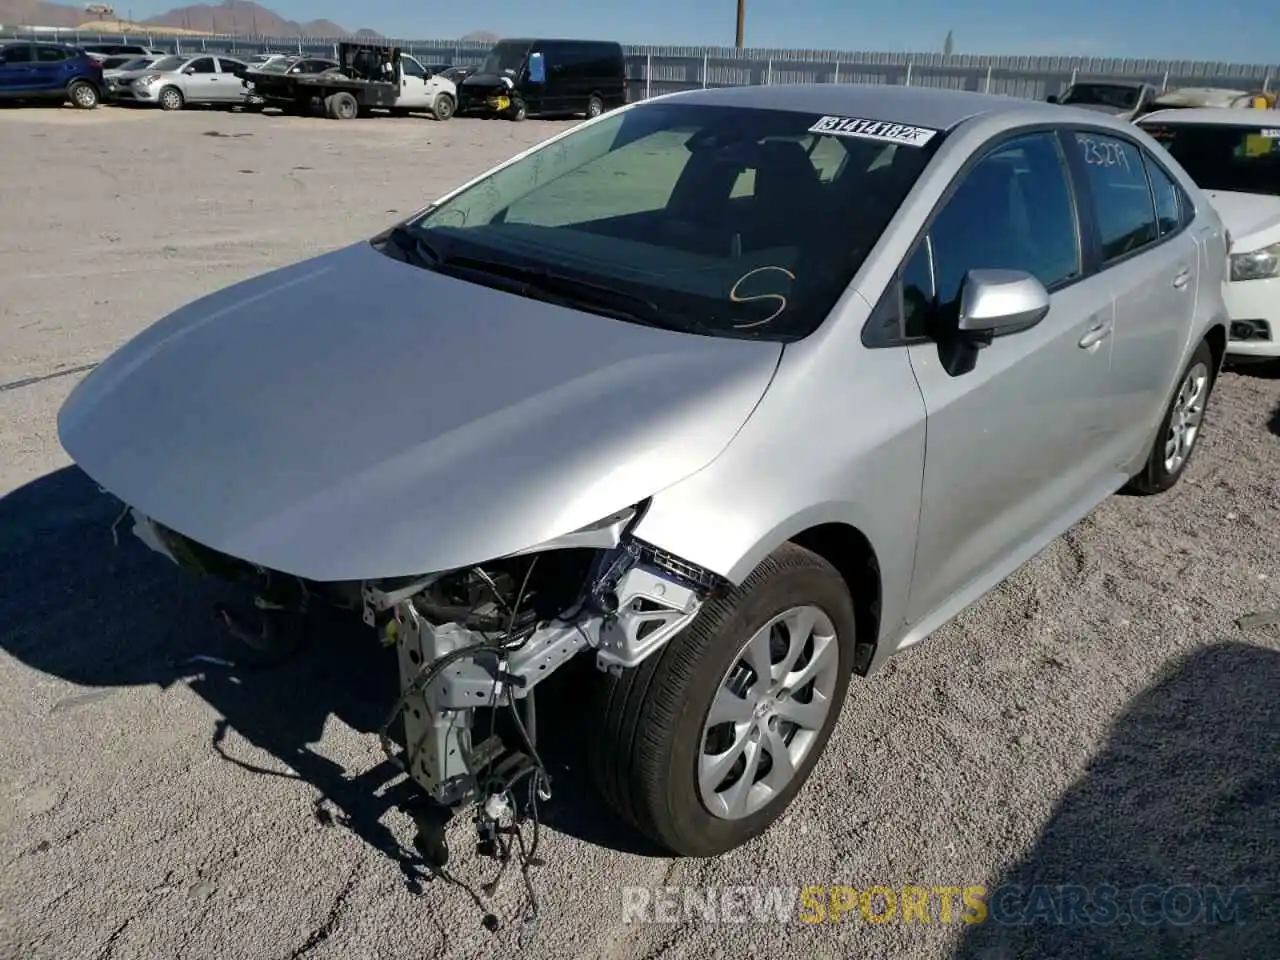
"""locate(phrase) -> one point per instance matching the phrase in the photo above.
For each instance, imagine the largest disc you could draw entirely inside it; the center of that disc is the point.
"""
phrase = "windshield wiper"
(543, 284)
(413, 248)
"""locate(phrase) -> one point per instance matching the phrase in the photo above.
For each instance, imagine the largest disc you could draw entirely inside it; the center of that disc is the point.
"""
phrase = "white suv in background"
(1234, 156)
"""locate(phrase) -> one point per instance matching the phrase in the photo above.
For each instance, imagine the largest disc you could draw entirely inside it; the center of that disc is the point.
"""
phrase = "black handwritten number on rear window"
(1104, 154)
(782, 301)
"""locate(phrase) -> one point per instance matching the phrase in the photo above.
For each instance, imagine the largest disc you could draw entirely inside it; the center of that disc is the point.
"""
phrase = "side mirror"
(1000, 302)
(537, 68)
(190, 71)
(1051, 98)
(993, 303)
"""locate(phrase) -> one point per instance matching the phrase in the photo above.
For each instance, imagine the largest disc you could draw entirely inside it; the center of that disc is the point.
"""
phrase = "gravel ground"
(1099, 719)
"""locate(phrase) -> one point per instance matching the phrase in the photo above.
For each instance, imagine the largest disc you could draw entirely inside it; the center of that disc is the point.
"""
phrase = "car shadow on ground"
(1179, 815)
(78, 607)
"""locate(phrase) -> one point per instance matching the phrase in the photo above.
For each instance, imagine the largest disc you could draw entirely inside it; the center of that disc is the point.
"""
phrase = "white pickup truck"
(368, 77)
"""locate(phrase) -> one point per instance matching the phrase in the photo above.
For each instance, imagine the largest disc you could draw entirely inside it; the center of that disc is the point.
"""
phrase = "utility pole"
(742, 15)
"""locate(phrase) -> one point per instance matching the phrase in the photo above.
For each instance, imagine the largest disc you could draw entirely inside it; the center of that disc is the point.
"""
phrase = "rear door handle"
(1095, 336)
(1183, 278)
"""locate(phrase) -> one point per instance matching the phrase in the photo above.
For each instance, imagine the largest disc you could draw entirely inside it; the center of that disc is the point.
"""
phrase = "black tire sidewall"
(342, 106)
(163, 98)
(450, 110)
(680, 811)
(1156, 477)
(595, 107)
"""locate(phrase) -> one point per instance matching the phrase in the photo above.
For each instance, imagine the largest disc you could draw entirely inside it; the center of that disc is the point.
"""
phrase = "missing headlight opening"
(482, 639)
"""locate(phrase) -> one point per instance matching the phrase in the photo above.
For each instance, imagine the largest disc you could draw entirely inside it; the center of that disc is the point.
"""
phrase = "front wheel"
(705, 745)
(171, 99)
(519, 110)
(444, 107)
(1180, 427)
(595, 107)
(83, 95)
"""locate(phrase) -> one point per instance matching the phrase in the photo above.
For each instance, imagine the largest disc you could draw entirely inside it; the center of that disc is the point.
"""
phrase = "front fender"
(850, 453)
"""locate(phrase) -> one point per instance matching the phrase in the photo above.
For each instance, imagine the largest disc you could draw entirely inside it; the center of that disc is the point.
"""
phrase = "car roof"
(1221, 116)
(934, 107)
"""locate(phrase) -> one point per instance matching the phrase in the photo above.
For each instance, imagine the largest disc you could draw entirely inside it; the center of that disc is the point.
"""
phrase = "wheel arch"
(827, 530)
(849, 550)
(1216, 337)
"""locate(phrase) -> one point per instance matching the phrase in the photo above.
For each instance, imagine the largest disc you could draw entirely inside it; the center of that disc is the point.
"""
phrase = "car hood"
(1252, 218)
(352, 417)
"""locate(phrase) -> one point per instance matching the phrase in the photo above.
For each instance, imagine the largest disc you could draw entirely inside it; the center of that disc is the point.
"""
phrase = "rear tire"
(342, 106)
(1179, 433)
(83, 95)
(519, 110)
(652, 729)
(171, 98)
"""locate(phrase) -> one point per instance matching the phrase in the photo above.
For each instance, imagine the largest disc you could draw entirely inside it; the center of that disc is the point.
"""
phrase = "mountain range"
(240, 17)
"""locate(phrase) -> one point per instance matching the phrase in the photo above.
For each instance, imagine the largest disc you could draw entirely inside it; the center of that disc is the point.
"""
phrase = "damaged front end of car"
(479, 638)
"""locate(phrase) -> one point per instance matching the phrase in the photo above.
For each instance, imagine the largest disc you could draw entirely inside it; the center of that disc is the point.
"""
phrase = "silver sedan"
(174, 82)
(735, 393)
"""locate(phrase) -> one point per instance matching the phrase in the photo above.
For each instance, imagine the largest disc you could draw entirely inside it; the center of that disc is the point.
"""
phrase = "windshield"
(718, 220)
(1239, 157)
(276, 66)
(167, 64)
(137, 63)
(1102, 94)
(505, 58)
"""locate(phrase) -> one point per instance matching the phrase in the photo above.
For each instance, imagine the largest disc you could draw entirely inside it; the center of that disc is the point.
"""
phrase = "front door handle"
(1182, 279)
(1095, 336)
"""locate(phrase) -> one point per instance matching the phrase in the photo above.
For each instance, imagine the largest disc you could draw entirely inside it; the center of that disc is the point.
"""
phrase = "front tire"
(595, 107)
(1180, 427)
(171, 98)
(701, 751)
(519, 110)
(83, 95)
(444, 107)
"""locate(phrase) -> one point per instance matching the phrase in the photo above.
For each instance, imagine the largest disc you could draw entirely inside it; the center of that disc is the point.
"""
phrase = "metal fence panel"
(656, 69)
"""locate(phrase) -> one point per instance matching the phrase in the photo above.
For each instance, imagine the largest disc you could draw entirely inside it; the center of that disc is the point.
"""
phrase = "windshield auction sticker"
(881, 130)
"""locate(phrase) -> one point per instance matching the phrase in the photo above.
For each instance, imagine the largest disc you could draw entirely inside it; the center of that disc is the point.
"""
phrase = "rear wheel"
(519, 110)
(83, 95)
(1180, 428)
(342, 106)
(705, 745)
(171, 98)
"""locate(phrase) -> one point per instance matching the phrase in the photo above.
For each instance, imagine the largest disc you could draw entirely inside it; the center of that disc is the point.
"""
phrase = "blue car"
(50, 71)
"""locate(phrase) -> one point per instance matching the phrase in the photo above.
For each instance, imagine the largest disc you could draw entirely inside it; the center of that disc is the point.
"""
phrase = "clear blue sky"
(1235, 30)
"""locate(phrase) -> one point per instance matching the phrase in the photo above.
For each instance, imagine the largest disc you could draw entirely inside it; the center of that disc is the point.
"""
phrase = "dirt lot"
(1100, 719)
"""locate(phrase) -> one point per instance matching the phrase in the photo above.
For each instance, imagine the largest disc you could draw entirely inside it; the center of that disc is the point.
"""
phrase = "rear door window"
(51, 54)
(1123, 204)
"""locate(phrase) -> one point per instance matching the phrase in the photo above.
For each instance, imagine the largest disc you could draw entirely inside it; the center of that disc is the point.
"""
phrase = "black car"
(535, 77)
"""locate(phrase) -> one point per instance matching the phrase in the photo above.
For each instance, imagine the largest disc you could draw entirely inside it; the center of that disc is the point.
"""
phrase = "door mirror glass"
(998, 302)
(537, 68)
